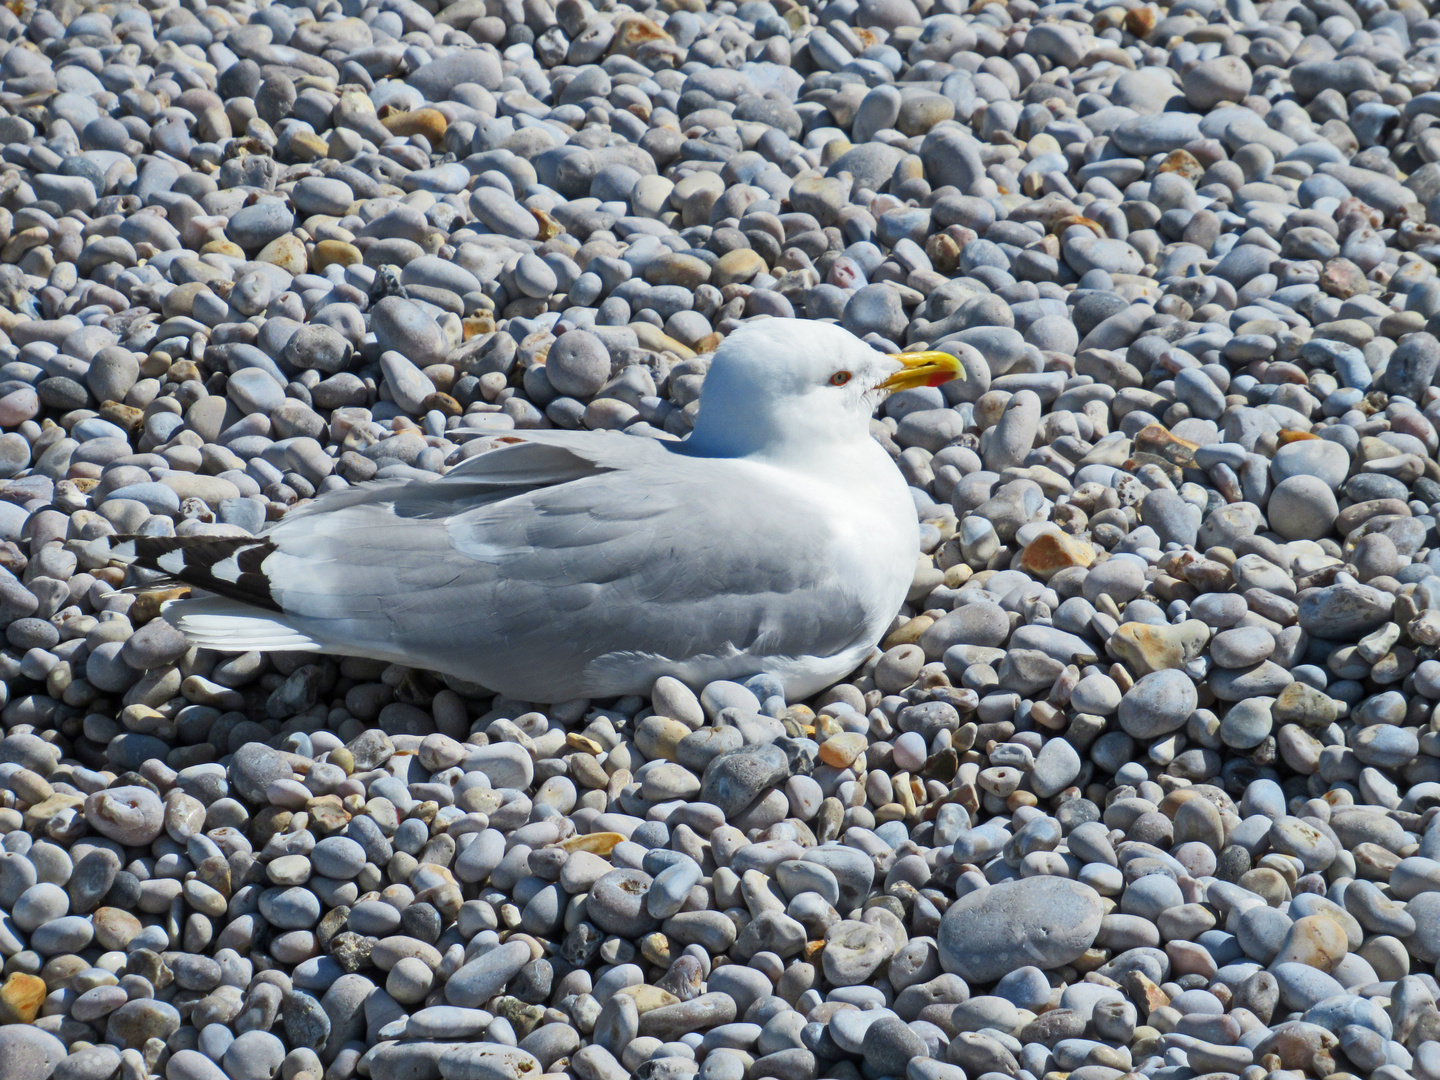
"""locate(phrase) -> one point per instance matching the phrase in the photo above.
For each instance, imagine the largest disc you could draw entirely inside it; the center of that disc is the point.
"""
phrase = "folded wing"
(559, 566)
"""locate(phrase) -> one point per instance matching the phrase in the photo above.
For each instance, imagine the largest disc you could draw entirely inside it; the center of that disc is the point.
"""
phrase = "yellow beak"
(923, 369)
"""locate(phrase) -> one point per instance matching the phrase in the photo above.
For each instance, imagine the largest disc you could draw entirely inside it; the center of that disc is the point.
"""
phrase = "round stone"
(534, 277)
(875, 309)
(1241, 647)
(616, 903)
(578, 364)
(889, 1046)
(254, 1055)
(402, 327)
(1211, 82)
(1327, 461)
(1302, 508)
(1158, 704)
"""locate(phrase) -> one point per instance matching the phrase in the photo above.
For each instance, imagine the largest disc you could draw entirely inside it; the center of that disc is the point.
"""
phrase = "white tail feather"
(214, 622)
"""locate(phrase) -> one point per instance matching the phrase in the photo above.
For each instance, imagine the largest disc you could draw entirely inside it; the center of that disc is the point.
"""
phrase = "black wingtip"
(229, 566)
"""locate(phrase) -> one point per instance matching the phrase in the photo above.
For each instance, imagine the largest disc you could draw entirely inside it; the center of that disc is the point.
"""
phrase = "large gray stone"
(27, 1053)
(1045, 922)
(1158, 704)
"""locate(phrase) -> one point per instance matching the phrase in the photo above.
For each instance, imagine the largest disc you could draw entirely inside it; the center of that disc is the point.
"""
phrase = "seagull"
(777, 538)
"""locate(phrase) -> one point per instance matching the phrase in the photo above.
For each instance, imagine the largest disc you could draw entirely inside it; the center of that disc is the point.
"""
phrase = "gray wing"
(528, 566)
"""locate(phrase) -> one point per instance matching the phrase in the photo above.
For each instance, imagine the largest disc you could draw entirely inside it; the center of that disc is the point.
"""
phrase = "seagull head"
(777, 383)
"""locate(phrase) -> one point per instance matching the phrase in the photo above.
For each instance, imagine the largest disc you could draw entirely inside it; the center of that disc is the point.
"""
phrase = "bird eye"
(840, 378)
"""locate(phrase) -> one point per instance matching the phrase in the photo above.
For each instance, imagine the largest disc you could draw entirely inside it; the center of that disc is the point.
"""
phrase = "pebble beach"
(1144, 779)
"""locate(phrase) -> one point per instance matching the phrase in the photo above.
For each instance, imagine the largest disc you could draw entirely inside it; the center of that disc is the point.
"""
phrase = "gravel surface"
(1145, 777)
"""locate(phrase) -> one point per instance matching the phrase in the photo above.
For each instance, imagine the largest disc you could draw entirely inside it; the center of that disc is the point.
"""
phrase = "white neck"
(737, 425)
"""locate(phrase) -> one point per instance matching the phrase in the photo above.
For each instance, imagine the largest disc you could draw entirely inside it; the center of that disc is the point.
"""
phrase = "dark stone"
(532, 985)
(254, 767)
(421, 920)
(92, 880)
(736, 778)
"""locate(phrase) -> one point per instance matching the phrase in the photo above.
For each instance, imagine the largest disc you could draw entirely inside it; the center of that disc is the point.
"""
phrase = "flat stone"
(482, 978)
(1344, 611)
(698, 1014)
(487, 1061)
(736, 778)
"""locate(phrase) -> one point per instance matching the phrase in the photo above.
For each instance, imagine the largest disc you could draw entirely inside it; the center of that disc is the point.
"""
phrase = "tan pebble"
(602, 843)
(1147, 992)
(1156, 439)
(1051, 552)
(334, 252)
(442, 403)
(306, 146)
(944, 252)
(636, 31)
(36, 817)
(1140, 21)
(286, 252)
(20, 998)
(328, 814)
(910, 633)
(1315, 940)
(840, 751)
(227, 248)
(649, 997)
(742, 264)
(430, 123)
(1184, 163)
(1148, 648)
(482, 322)
(1266, 884)
(586, 745)
(549, 227)
(656, 340)
(181, 299)
(659, 737)
(958, 575)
